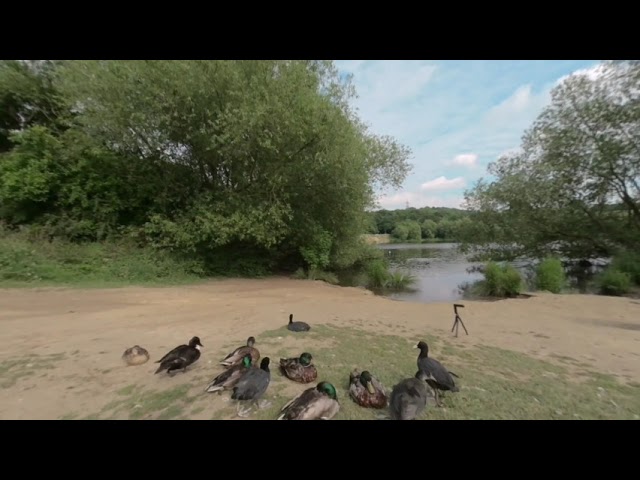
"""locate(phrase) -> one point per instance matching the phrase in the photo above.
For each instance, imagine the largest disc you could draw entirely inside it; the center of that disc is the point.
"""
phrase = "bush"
(501, 281)
(614, 282)
(629, 263)
(550, 275)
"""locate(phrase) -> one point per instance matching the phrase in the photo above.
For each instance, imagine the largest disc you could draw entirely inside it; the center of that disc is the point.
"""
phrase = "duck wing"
(437, 372)
(226, 379)
(296, 407)
(252, 385)
(173, 353)
(408, 399)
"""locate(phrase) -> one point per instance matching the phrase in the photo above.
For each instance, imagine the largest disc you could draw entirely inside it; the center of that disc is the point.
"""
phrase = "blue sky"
(457, 116)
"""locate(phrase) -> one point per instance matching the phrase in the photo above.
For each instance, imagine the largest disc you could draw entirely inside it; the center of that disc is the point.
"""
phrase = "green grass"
(26, 263)
(495, 383)
(12, 370)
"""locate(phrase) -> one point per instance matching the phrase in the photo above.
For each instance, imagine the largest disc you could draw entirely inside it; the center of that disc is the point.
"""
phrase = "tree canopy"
(573, 188)
(265, 158)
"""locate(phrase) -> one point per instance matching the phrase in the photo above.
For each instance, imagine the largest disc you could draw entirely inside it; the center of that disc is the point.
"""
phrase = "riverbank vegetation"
(572, 190)
(145, 170)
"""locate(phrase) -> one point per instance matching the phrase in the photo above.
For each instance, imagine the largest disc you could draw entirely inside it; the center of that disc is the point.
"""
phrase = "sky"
(456, 116)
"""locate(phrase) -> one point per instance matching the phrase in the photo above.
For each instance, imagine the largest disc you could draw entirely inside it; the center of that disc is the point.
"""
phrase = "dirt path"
(60, 349)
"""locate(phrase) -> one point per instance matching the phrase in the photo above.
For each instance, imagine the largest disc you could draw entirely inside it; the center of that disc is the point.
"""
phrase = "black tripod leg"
(465, 328)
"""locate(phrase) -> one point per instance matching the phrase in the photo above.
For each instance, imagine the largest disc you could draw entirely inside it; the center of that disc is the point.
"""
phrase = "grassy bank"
(509, 385)
(26, 263)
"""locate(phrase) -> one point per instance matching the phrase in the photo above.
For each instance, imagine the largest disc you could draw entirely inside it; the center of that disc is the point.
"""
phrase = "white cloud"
(464, 160)
(441, 183)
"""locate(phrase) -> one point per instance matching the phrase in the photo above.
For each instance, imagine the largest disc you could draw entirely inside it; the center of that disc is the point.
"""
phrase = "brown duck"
(299, 369)
(235, 357)
(366, 390)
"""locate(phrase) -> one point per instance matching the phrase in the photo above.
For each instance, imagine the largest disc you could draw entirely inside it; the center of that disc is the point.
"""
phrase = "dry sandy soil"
(60, 349)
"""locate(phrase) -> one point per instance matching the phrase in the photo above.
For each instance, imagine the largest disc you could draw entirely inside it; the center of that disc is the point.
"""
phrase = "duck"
(299, 369)
(181, 357)
(315, 403)
(436, 375)
(252, 386)
(135, 355)
(230, 377)
(408, 398)
(235, 357)
(366, 390)
(297, 326)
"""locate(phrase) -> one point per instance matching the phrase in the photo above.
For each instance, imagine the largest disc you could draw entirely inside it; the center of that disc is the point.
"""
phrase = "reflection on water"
(438, 267)
(441, 270)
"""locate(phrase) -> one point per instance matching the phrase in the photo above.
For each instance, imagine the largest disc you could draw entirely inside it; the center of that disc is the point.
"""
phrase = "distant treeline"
(417, 224)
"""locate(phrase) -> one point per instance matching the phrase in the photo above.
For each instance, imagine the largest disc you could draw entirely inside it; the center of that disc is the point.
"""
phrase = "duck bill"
(370, 388)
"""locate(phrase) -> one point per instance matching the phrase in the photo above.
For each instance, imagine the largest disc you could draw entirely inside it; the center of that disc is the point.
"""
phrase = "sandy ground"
(83, 333)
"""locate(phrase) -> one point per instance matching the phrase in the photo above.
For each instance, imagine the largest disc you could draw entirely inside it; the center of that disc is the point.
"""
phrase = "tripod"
(458, 321)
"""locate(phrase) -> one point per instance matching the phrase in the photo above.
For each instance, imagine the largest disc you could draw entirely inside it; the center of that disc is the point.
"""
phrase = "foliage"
(501, 281)
(550, 275)
(572, 190)
(629, 263)
(414, 224)
(245, 166)
(614, 282)
(37, 262)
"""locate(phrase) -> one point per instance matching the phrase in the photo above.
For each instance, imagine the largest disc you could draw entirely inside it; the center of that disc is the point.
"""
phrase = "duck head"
(264, 364)
(195, 342)
(367, 381)
(328, 389)
(424, 348)
(305, 359)
(251, 341)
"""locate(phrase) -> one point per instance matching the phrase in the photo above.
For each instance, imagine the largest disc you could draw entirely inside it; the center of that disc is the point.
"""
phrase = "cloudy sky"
(457, 116)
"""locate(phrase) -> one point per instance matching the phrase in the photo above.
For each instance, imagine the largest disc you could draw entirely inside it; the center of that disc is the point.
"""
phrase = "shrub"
(501, 281)
(550, 275)
(614, 282)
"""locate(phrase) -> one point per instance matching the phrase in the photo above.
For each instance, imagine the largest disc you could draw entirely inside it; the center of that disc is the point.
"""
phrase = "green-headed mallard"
(408, 398)
(252, 385)
(135, 355)
(230, 377)
(315, 403)
(366, 390)
(297, 326)
(180, 357)
(235, 357)
(299, 369)
(436, 375)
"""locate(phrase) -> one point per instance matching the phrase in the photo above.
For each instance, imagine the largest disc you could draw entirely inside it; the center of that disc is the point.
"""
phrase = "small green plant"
(378, 274)
(501, 281)
(550, 275)
(614, 282)
(400, 280)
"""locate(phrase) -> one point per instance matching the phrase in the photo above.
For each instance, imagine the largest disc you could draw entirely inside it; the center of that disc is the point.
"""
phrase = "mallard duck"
(297, 326)
(235, 357)
(180, 357)
(299, 369)
(436, 375)
(230, 377)
(366, 390)
(252, 385)
(408, 398)
(316, 403)
(135, 355)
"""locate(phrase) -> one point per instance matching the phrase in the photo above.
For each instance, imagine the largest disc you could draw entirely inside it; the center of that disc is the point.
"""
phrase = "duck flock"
(248, 382)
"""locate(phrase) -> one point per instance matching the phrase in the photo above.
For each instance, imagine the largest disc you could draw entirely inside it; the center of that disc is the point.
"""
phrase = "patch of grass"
(28, 263)
(550, 275)
(629, 263)
(14, 369)
(138, 403)
(316, 274)
(495, 383)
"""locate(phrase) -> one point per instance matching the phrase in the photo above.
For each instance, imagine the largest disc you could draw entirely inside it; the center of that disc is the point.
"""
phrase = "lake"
(439, 269)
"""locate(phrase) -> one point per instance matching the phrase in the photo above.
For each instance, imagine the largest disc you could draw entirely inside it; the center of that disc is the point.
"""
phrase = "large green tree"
(265, 157)
(574, 187)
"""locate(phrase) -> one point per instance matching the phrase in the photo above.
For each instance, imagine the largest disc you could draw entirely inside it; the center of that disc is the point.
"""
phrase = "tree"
(573, 189)
(429, 228)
